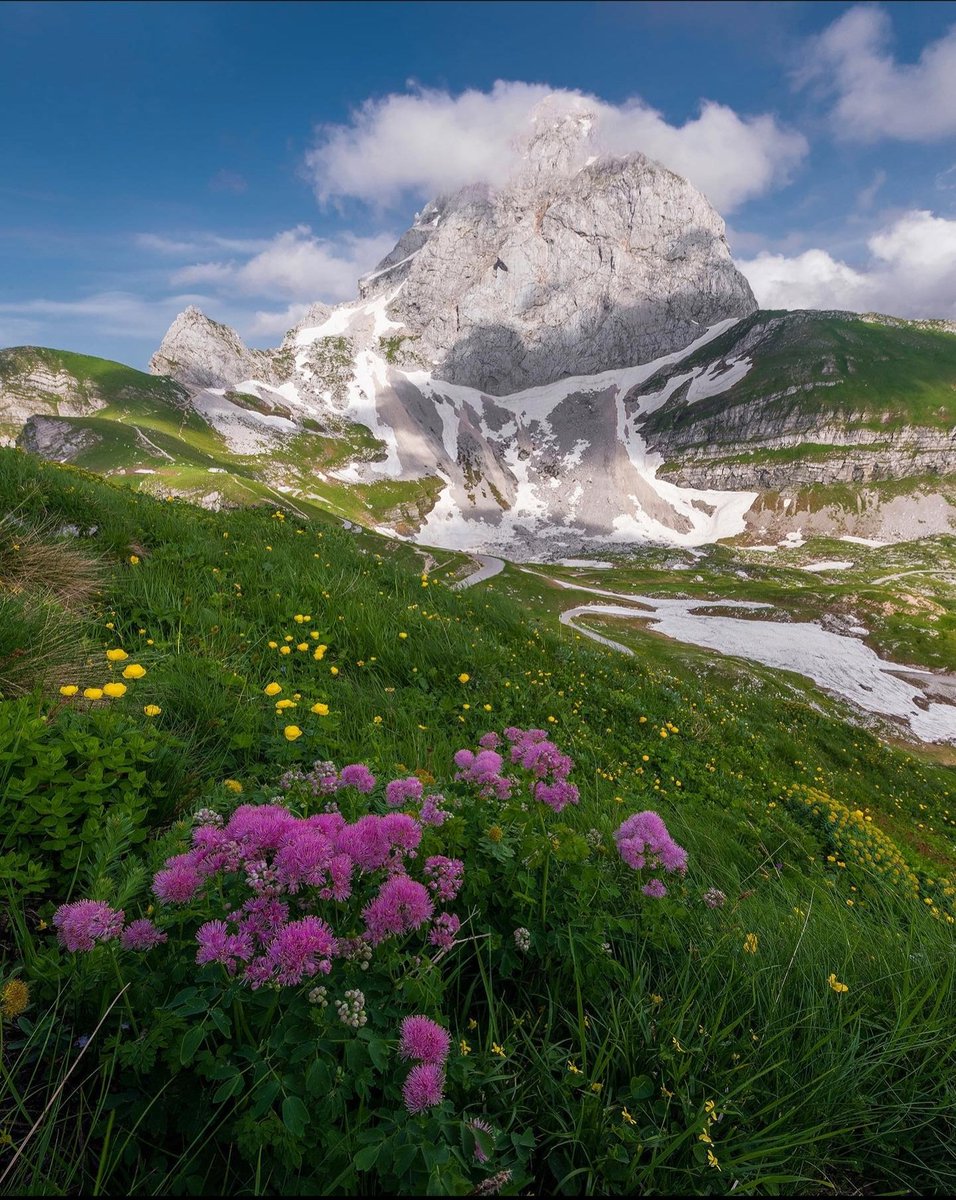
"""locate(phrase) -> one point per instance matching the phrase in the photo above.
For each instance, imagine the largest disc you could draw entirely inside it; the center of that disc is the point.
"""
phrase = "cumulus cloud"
(874, 95)
(911, 272)
(426, 141)
(295, 265)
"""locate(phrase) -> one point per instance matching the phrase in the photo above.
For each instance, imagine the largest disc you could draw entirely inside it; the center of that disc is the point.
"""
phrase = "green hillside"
(878, 373)
(791, 1033)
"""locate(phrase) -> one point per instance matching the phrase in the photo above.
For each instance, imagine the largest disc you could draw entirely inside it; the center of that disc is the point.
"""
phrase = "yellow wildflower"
(464, 677)
(626, 1116)
(292, 732)
(134, 559)
(333, 670)
(284, 704)
(596, 1088)
(472, 1023)
(152, 710)
(93, 693)
(655, 999)
(320, 710)
(14, 998)
(116, 655)
(836, 984)
(284, 650)
(573, 1069)
(69, 689)
(114, 690)
(498, 1050)
(712, 1159)
(233, 785)
(272, 689)
(403, 636)
(750, 943)
(319, 652)
(134, 671)
(302, 646)
(376, 720)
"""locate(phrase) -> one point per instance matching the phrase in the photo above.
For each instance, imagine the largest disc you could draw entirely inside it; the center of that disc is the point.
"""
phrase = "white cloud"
(911, 273)
(427, 141)
(125, 314)
(876, 96)
(293, 266)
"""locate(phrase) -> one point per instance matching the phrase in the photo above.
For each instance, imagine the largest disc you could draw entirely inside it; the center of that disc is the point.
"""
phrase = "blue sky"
(252, 157)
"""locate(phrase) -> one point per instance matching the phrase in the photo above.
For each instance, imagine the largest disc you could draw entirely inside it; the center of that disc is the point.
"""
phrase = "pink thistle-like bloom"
(655, 889)
(340, 874)
(141, 935)
(489, 741)
(217, 944)
(301, 949)
(402, 904)
(260, 827)
(303, 859)
(400, 790)
(424, 1087)
(403, 831)
(358, 776)
(643, 841)
(444, 929)
(445, 875)
(423, 1039)
(178, 882)
(80, 925)
(431, 813)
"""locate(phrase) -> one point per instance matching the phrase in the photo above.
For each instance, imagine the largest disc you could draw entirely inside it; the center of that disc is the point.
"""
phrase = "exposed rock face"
(580, 265)
(55, 439)
(201, 353)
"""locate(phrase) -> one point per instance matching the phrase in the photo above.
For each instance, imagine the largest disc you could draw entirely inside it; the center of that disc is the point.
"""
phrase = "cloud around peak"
(426, 141)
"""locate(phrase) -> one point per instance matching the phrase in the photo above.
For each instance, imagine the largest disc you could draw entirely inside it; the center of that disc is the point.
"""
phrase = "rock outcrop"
(582, 263)
(201, 353)
(55, 439)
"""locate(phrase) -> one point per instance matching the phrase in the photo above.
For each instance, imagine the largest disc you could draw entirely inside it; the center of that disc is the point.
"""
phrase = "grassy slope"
(886, 376)
(806, 1081)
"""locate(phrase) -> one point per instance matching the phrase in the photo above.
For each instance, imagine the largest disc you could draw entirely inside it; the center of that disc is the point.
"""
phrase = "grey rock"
(581, 264)
(56, 439)
(202, 353)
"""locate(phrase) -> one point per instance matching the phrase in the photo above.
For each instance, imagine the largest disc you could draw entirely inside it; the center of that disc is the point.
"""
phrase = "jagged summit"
(582, 263)
(202, 353)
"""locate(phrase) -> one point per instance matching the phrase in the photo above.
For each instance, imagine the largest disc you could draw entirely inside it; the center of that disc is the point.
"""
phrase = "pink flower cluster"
(322, 779)
(427, 1042)
(531, 749)
(643, 841)
(401, 790)
(484, 771)
(323, 857)
(80, 925)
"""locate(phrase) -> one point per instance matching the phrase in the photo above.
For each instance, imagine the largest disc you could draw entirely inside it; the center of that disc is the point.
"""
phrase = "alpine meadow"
(490, 728)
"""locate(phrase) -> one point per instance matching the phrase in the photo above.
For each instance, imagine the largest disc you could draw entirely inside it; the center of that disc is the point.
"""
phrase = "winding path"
(488, 567)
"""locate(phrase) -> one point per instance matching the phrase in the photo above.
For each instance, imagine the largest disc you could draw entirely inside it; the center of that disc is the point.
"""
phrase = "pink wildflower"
(402, 904)
(217, 944)
(357, 775)
(400, 790)
(445, 875)
(83, 923)
(178, 882)
(643, 841)
(444, 929)
(423, 1039)
(141, 935)
(301, 949)
(655, 889)
(424, 1087)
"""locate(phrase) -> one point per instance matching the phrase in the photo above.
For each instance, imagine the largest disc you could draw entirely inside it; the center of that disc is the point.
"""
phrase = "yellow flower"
(403, 636)
(285, 650)
(319, 652)
(836, 984)
(233, 785)
(705, 1137)
(712, 1159)
(498, 1050)
(134, 559)
(152, 710)
(14, 997)
(282, 704)
(464, 1047)
(573, 1069)
(486, 707)
(273, 645)
(750, 943)
(302, 646)
(292, 732)
(464, 677)
(69, 689)
(655, 999)
(320, 710)
(272, 689)
(472, 1023)
(596, 1088)
(626, 1116)
(92, 693)
(134, 671)
(333, 670)
(495, 833)
(116, 655)
(114, 690)
(376, 720)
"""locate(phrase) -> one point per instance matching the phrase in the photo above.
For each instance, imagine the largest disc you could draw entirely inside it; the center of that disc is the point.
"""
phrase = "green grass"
(816, 1091)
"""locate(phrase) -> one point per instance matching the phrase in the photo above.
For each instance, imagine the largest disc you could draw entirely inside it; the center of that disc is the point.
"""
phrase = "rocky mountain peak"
(201, 353)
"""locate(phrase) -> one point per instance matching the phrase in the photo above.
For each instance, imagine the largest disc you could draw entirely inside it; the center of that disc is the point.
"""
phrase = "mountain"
(582, 263)
(568, 360)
